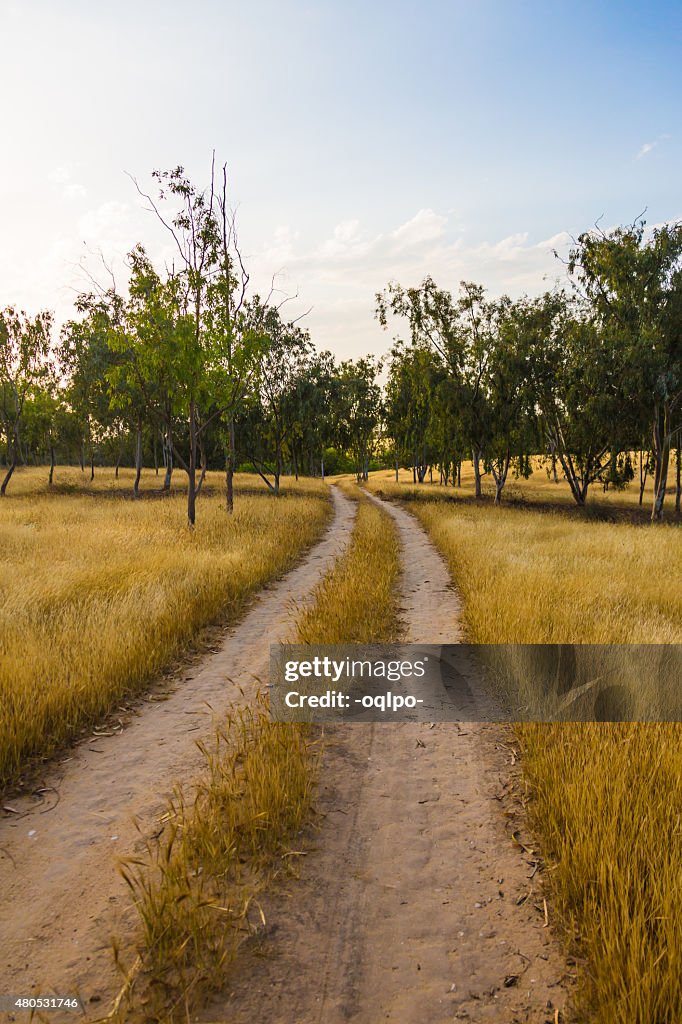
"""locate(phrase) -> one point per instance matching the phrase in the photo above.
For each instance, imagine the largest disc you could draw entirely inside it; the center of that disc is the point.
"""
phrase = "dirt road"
(415, 903)
(61, 896)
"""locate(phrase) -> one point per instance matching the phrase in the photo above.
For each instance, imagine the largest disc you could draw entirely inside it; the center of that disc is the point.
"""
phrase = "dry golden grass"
(539, 488)
(196, 891)
(605, 798)
(357, 600)
(98, 594)
(529, 577)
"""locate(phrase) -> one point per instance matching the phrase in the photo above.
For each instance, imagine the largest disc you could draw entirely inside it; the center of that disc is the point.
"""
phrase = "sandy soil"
(414, 901)
(62, 898)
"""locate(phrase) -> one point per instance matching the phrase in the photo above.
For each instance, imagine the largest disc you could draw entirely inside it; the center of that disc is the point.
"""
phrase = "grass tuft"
(196, 891)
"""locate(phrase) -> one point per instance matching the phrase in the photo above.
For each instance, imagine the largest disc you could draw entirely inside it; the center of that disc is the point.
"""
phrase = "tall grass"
(605, 798)
(197, 890)
(98, 594)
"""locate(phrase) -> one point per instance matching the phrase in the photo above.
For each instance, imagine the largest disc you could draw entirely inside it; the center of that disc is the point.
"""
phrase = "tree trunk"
(138, 458)
(81, 457)
(8, 474)
(476, 458)
(278, 467)
(52, 462)
(501, 477)
(202, 461)
(156, 456)
(322, 466)
(578, 489)
(192, 467)
(397, 467)
(678, 471)
(661, 437)
(643, 474)
(92, 465)
(229, 471)
(168, 459)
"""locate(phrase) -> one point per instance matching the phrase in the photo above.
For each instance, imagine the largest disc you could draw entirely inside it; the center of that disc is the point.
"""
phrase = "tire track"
(417, 904)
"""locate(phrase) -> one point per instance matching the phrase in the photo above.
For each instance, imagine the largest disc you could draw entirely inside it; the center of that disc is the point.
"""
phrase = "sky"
(365, 141)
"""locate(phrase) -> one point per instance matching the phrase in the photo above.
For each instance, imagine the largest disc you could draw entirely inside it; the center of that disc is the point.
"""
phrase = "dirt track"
(415, 904)
(61, 896)
(406, 908)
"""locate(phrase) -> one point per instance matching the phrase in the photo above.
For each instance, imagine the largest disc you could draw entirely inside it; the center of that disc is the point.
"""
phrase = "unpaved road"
(414, 903)
(61, 895)
(406, 906)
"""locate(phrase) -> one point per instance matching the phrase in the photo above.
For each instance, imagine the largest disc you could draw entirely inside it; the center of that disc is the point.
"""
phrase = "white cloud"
(648, 146)
(340, 275)
(61, 180)
(425, 226)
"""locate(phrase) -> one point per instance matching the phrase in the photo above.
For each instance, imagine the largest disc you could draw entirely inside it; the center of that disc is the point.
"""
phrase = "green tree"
(360, 410)
(634, 285)
(284, 352)
(24, 348)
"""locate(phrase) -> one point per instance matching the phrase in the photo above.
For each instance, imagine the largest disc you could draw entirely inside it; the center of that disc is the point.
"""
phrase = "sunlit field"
(540, 488)
(534, 577)
(99, 593)
(605, 797)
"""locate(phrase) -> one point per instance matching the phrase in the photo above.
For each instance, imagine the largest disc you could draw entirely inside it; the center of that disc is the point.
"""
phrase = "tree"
(284, 353)
(235, 344)
(576, 384)
(459, 332)
(48, 421)
(510, 431)
(314, 407)
(194, 229)
(24, 347)
(413, 378)
(634, 285)
(360, 409)
(87, 358)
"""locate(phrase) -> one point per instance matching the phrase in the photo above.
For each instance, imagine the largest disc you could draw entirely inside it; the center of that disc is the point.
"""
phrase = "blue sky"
(366, 141)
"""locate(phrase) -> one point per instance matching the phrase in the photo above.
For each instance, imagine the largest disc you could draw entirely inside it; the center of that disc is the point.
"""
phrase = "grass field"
(98, 593)
(539, 489)
(605, 798)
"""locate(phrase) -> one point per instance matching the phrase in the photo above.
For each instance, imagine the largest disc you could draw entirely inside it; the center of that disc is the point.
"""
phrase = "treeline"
(588, 377)
(185, 368)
